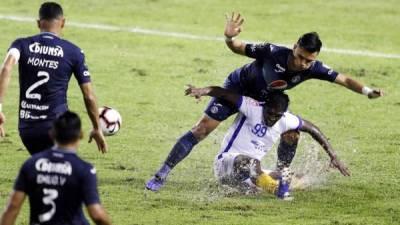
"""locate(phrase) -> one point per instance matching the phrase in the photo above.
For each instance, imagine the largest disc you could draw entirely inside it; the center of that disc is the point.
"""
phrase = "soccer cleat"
(283, 191)
(155, 183)
(284, 182)
(158, 180)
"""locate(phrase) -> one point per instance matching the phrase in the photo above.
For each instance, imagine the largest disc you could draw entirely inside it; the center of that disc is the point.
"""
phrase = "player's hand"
(233, 25)
(98, 136)
(335, 163)
(192, 91)
(2, 121)
(376, 93)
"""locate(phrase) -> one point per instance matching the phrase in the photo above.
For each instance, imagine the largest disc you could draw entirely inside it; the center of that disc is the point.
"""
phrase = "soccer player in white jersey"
(255, 130)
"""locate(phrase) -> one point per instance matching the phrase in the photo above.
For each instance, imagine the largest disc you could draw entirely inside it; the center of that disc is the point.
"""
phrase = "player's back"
(46, 64)
(57, 182)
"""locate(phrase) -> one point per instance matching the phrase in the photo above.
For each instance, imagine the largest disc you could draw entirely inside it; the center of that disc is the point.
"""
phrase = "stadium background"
(143, 76)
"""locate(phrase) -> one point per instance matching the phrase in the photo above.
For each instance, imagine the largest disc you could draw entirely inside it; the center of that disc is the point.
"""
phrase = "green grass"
(144, 76)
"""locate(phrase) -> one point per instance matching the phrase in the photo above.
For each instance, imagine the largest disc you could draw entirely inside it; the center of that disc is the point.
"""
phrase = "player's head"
(306, 50)
(51, 17)
(67, 129)
(276, 104)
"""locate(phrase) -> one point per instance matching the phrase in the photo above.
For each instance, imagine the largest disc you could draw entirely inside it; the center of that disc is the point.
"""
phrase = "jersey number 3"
(29, 94)
(49, 196)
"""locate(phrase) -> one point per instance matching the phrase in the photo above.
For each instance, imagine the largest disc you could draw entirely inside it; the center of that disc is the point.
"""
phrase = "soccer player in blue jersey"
(46, 63)
(275, 67)
(58, 182)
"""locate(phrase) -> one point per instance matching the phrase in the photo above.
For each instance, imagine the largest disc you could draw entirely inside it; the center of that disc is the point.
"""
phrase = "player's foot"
(284, 183)
(158, 180)
(155, 183)
(283, 191)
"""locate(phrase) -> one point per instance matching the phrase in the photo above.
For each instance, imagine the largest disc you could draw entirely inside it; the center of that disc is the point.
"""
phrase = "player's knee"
(291, 137)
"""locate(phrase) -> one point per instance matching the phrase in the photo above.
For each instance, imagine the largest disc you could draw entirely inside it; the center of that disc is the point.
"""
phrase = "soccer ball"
(110, 120)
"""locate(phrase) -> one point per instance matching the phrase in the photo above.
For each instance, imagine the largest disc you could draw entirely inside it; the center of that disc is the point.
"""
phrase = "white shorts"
(223, 167)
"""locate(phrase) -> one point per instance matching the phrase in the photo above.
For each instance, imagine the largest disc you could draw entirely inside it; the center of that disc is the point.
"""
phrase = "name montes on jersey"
(46, 50)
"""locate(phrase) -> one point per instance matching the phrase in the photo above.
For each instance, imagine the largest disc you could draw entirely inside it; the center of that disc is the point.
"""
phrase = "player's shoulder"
(291, 120)
(251, 101)
(288, 115)
(21, 40)
(35, 157)
(317, 65)
(85, 166)
(279, 49)
(70, 45)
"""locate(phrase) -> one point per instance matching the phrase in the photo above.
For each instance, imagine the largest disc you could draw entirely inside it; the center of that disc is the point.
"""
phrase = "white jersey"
(249, 135)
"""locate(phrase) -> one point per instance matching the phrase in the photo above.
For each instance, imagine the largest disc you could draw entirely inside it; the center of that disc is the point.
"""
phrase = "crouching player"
(57, 182)
(255, 130)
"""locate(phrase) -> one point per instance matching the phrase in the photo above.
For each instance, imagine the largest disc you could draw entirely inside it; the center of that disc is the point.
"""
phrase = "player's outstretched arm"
(5, 75)
(356, 86)
(317, 135)
(13, 207)
(232, 29)
(213, 91)
(98, 214)
(92, 110)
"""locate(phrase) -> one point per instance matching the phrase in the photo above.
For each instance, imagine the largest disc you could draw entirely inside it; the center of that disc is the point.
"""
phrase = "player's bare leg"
(181, 149)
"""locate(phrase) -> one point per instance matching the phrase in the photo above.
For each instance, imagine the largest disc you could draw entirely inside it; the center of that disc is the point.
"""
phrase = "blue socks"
(181, 149)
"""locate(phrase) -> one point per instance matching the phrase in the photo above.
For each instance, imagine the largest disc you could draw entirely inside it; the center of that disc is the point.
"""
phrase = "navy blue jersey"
(46, 64)
(270, 65)
(57, 182)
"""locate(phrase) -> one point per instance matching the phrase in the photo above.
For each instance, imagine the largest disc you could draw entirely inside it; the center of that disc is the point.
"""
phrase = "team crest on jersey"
(46, 50)
(259, 145)
(214, 109)
(296, 79)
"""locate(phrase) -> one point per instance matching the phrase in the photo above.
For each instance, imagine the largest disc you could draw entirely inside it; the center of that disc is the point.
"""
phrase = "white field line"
(189, 36)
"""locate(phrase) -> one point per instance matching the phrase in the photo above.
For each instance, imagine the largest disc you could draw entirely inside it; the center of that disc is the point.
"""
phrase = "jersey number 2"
(49, 196)
(45, 79)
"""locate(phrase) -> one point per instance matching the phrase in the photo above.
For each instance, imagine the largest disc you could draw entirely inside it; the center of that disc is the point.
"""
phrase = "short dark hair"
(50, 11)
(67, 128)
(277, 99)
(310, 42)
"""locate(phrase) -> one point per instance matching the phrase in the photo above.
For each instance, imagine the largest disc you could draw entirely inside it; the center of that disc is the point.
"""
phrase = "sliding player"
(255, 130)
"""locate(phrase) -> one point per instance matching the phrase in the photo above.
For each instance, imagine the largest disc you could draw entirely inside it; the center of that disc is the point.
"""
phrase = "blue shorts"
(219, 109)
(36, 140)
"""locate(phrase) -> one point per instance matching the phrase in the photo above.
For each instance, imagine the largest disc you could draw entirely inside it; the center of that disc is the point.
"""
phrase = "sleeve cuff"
(84, 81)
(239, 102)
(300, 123)
(14, 52)
(334, 75)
